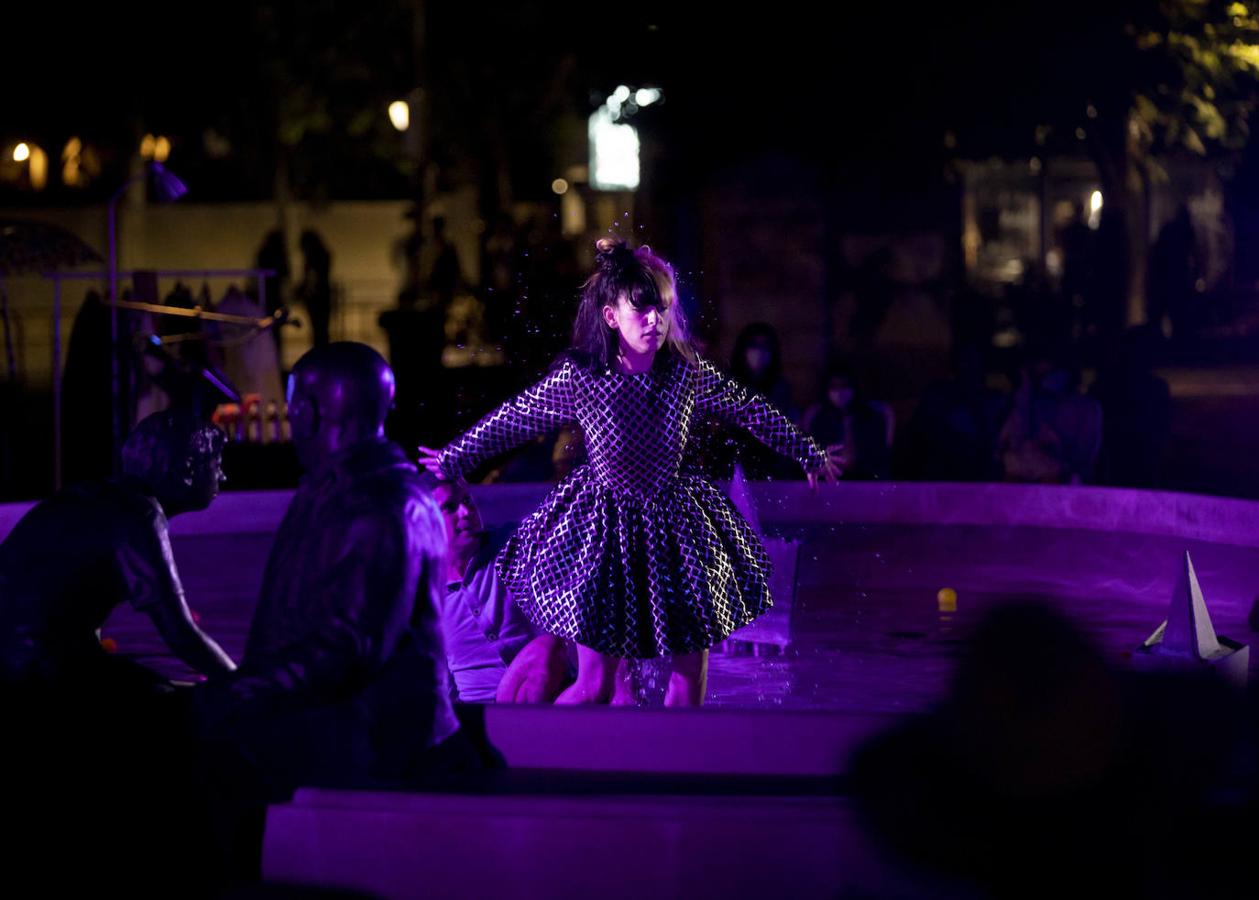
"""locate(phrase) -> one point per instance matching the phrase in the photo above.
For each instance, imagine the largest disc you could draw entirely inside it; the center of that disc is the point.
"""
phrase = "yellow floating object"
(947, 599)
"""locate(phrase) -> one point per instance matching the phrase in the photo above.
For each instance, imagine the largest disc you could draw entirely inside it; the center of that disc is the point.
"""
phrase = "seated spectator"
(77, 555)
(1053, 433)
(863, 427)
(1136, 413)
(484, 630)
(952, 435)
(756, 363)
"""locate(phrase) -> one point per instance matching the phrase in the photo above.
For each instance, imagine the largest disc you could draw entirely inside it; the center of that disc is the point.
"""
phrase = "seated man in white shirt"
(492, 649)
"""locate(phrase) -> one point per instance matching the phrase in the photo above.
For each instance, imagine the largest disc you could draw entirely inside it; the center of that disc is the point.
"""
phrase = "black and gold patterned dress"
(629, 555)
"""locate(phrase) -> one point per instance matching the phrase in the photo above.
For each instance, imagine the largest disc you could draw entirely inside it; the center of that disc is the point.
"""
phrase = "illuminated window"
(613, 153)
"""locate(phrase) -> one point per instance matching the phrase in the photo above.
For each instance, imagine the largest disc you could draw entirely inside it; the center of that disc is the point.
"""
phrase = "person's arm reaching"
(151, 581)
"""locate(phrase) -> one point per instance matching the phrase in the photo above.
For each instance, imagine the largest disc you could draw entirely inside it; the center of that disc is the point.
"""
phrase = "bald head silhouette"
(338, 396)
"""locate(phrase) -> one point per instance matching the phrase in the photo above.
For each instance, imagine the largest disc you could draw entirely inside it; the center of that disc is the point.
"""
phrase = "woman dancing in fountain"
(628, 557)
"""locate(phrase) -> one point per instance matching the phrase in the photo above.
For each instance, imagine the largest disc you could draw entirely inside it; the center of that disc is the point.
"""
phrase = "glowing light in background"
(155, 148)
(36, 161)
(1095, 210)
(559, 186)
(400, 114)
(37, 167)
(72, 162)
(646, 96)
(613, 152)
(614, 143)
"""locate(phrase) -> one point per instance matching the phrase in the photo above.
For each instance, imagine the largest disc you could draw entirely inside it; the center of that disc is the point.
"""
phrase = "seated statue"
(77, 555)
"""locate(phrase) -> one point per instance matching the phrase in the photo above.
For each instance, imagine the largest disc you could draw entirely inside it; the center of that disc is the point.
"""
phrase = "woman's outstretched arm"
(539, 409)
(721, 396)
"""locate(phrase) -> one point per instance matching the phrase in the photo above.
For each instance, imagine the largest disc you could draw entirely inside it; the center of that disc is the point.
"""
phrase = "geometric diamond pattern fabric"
(629, 555)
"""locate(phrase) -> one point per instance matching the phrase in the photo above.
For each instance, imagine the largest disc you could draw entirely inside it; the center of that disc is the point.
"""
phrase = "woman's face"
(840, 393)
(759, 355)
(640, 330)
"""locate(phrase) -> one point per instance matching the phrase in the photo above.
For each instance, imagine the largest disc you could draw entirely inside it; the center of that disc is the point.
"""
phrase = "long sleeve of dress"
(726, 399)
(540, 409)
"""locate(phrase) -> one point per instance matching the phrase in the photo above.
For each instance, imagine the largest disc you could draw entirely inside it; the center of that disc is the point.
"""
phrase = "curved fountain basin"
(868, 640)
(867, 630)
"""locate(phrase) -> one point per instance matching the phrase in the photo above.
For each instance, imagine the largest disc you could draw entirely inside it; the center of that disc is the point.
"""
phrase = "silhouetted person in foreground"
(1045, 769)
(343, 682)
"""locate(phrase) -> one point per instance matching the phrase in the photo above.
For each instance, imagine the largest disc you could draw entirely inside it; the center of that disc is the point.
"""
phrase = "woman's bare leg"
(596, 674)
(688, 683)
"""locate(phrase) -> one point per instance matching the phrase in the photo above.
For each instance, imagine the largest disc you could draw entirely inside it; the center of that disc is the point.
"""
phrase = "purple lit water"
(867, 631)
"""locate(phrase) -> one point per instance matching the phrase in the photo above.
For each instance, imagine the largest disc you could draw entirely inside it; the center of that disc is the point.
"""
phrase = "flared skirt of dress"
(637, 577)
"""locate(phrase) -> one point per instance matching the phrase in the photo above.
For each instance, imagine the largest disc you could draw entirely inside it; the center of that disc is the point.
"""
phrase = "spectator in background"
(316, 287)
(500, 271)
(1053, 433)
(1175, 268)
(445, 276)
(756, 363)
(952, 435)
(1136, 413)
(274, 256)
(85, 393)
(843, 416)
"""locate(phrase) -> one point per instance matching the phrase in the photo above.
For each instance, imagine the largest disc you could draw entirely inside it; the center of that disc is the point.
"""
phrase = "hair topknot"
(613, 256)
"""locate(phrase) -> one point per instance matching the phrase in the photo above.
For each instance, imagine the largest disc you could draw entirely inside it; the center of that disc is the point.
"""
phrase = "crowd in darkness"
(1040, 757)
(1035, 414)
(1023, 415)
(1027, 416)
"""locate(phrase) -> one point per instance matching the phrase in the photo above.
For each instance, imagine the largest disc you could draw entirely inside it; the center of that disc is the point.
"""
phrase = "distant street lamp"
(400, 114)
(166, 189)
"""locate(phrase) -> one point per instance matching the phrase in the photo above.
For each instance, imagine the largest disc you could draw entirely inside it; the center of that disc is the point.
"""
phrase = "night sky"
(875, 85)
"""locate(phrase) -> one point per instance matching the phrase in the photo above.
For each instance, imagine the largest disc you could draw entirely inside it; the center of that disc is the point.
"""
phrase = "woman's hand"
(428, 459)
(837, 459)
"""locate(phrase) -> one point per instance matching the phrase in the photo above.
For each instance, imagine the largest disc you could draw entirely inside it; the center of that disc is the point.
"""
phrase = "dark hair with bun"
(644, 279)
